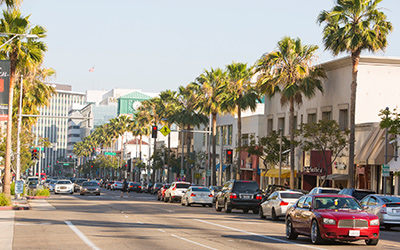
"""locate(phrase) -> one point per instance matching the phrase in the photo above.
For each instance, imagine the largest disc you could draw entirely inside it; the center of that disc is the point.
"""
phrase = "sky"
(155, 45)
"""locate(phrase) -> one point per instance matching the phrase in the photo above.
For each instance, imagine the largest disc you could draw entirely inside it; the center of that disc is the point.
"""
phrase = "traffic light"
(229, 155)
(34, 155)
(154, 131)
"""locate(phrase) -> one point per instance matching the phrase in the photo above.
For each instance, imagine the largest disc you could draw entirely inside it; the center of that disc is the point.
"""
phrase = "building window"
(281, 124)
(327, 116)
(343, 119)
(312, 118)
(270, 124)
(230, 134)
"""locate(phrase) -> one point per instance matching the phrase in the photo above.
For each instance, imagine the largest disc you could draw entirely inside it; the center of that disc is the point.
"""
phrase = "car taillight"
(233, 196)
(115, 184)
(383, 209)
(210, 195)
(283, 203)
(174, 188)
(139, 186)
(259, 197)
(192, 194)
(131, 186)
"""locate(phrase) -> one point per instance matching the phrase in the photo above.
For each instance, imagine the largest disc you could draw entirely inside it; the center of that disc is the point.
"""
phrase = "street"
(141, 222)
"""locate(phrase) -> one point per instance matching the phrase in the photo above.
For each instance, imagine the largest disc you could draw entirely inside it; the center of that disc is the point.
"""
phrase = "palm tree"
(288, 71)
(240, 94)
(22, 55)
(210, 87)
(353, 26)
(11, 3)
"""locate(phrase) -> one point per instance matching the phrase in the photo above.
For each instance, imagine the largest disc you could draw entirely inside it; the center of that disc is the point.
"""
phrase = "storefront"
(315, 171)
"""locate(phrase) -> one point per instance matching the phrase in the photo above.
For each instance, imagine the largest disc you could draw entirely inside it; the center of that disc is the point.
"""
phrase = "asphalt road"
(142, 222)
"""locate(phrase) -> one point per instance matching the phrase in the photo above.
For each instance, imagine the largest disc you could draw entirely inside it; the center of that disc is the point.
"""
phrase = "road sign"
(66, 164)
(19, 187)
(385, 170)
(110, 153)
(165, 130)
(208, 172)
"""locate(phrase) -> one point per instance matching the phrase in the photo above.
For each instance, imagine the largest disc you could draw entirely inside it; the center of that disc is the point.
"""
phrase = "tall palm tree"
(22, 55)
(210, 87)
(240, 94)
(11, 3)
(353, 26)
(288, 71)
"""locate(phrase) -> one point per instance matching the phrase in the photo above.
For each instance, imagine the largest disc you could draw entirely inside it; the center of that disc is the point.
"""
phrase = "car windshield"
(89, 183)
(361, 194)
(53, 181)
(246, 186)
(182, 185)
(79, 181)
(64, 182)
(329, 191)
(291, 195)
(200, 189)
(336, 203)
(388, 199)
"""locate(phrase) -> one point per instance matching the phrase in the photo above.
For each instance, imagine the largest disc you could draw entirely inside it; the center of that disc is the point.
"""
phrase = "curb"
(16, 208)
(36, 197)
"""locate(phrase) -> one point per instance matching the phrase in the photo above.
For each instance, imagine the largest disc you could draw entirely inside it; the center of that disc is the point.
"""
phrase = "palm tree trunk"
(291, 130)
(355, 56)
(188, 144)
(214, 148)
(239, 143)
(169, 159)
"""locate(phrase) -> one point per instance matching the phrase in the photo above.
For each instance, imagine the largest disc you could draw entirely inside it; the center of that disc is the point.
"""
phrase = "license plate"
(355, 233)
(246, 196)
(396, 211)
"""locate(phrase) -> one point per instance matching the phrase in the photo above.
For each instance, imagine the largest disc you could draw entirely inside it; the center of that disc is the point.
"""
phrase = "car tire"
(203, 205)
(227, 208)
(372, 242)
(98, 194)
(290, 234)
(165, 199)
(315, 233)
(188, 203)
(182, 204)
(256, 211)
(217, 208)
(82, 194)
(273, 215)
(210, 205)
(261, 212)
(245, 211)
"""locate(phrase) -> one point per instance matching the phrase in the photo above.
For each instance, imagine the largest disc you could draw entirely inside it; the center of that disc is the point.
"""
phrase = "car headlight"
(329, 221)
(85, 189)
(97, 189)
(374, 222)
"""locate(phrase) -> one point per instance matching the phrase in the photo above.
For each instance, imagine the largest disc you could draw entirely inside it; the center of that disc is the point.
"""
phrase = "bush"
(12, 188)
(4, 200)
(42, 192)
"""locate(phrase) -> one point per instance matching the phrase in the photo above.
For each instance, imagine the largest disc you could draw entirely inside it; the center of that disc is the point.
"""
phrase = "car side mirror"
(306, 206)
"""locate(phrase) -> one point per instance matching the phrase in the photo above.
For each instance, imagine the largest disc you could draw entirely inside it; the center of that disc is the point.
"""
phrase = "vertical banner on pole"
(4, 88)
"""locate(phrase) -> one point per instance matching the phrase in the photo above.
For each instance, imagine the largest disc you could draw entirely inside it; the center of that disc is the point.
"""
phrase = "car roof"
(287, 191)
(331, 195)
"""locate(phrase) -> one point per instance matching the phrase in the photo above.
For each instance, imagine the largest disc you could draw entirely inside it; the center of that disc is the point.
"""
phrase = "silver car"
(277, 203)
(197, 195)
(387, 207)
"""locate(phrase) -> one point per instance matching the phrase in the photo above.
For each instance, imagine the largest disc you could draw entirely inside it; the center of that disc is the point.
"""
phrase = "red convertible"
(331, 217)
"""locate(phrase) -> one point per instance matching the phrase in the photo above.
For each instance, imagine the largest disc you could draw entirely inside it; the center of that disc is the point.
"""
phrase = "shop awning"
(372, 152)
(285, 173)
(337, 177)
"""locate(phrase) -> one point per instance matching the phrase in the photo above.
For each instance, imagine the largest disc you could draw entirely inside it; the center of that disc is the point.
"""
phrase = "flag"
(91, 69)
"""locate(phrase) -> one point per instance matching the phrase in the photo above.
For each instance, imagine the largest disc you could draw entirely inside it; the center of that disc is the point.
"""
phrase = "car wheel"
(372, 242)
(170, 200)
(82, 194)
(187, 203)
(245, 211)
(210, 205)
(227, 208)
(165, 199)
(203, 205)
(262, 216)
(256, 211)
(98, 194)
(217, 208)
(273, 215)
(182, 204)
(290, 234)
(315, 233)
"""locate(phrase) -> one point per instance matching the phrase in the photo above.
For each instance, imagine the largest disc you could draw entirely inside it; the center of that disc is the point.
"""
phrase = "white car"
(64, 187)
(277, 203)
(324, 190)
(197, 195)
(176, 191)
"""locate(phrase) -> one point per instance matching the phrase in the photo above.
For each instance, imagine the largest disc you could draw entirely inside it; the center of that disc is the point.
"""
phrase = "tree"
(324, 136)
(240, 94)
(288, 71)
(354, 26)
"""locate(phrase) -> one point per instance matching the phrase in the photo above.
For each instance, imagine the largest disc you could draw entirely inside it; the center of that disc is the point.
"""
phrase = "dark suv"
(245, 195)
(357, 193)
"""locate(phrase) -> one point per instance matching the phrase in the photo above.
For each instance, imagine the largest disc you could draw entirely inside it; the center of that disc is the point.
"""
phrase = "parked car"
(90, 187)
(154, 189)
(64, 186)
(77, 184)
(276, 204)
(324, 190)
(117, 185)
(134, 187)
(239, 194)
(331, 217)
(197, 195)
(386, 207)
(356, 193)
(161, 192)
(176, 191)
(52, 184)
(214, 191)
(147, 188)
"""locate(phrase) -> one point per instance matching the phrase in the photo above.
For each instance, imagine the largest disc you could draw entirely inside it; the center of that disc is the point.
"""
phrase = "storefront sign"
(340, 165)
(312, 170)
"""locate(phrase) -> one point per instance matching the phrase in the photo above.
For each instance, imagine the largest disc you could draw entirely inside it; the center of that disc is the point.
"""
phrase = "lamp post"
(17, 175)
(386, 149)
(7, 168)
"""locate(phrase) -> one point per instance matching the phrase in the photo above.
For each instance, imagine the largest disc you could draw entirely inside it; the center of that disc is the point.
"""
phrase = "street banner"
(4, 88)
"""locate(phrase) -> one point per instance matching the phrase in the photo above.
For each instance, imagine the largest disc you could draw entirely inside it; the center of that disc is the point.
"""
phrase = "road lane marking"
(161, 230)
(176, 236)
(260, 235)
(82, 236)
(140, 222)
(167, 210)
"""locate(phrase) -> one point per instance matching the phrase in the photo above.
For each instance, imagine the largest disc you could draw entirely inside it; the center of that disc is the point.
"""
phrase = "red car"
(161, 191)
(331, 217)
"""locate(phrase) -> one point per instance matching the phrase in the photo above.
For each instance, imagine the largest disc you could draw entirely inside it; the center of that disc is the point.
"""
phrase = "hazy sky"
(154, 45)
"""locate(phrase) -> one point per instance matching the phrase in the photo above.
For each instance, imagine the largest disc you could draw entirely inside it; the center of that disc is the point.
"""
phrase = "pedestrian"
(124, 188)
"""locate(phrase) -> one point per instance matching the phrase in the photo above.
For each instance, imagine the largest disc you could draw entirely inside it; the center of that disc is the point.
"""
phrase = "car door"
(373, 205)
(297, 213)
(221, 195)
(270, 203)
(305, 214)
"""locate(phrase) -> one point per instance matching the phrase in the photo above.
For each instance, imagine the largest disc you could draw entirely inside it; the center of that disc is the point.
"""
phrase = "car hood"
(345, 214)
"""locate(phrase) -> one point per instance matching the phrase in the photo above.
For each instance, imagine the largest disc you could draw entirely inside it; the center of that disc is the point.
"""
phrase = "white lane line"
(140, 222)
(260, 235)
(173, 235)
(82, 236)
(161, 230)
(167, 210)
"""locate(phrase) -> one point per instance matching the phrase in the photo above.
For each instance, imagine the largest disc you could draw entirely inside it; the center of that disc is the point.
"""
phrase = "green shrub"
(12, 188)
(42, 192)
(4, 200)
